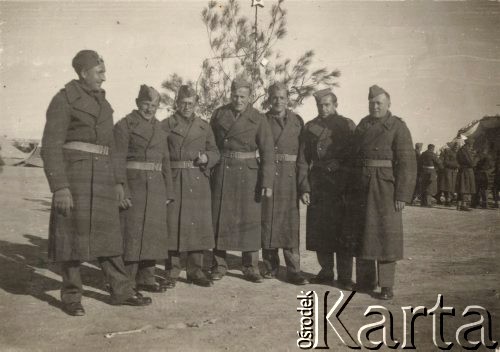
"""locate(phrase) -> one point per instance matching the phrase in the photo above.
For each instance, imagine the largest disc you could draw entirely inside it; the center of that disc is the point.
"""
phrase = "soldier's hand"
(399, 205)
(202, 159)
(306, 198)
(123, 203)
(63, 201)
(267, 192)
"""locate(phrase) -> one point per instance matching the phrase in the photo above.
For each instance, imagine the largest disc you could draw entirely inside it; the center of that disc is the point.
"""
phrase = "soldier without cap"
(382, 179)
(77, 153)
(280, 212)
(144, 161)
(323, 150)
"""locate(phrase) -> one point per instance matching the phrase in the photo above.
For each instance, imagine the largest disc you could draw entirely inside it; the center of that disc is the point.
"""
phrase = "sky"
(439, 60)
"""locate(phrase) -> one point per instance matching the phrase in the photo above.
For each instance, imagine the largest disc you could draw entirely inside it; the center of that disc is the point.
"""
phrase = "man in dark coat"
(429, 164)
(466, 183)
(416, 192)
(280, 212)
(239, 181)
(447, 182)
(193, 154)
(144, 161)
(322, 180)
(382, 180)
(77, 154)
(481, 171)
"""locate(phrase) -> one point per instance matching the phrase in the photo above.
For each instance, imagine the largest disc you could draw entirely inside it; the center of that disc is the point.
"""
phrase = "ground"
(446, 252)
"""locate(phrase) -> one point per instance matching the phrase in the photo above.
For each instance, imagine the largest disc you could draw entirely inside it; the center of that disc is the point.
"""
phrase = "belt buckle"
(280, 157)
(232, 155)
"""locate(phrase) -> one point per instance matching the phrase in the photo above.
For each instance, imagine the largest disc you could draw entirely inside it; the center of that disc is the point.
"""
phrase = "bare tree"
(240, 48)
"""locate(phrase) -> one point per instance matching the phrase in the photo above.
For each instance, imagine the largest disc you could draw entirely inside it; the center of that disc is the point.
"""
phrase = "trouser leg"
(386, 273)
(366, 273)
(71, 290)
(146, 273)
(292, 260)
(194, 265)
(219, 262)
(250, 261)
(344, 267)
(131, 269)
(271, 260)
(116, 275)
(173, 264)
(325, 260)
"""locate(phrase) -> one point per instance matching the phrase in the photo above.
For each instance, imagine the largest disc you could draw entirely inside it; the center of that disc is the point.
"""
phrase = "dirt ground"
(446, 252)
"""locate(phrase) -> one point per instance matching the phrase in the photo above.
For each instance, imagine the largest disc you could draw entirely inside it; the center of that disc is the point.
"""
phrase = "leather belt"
(87, 147)
(285, 157)
(238, 155)
(373, 163)
(182, 165)
(428, 167)
(144, 165)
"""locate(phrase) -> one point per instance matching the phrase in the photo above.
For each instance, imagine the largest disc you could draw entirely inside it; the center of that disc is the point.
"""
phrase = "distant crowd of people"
(459, 175)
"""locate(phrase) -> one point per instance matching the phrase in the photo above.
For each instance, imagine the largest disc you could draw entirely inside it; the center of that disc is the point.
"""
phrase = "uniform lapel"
(82, 102)
(196, 130)
(245, 122)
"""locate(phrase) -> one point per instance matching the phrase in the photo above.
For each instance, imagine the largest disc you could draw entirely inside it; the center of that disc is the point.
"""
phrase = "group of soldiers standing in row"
(144, 191)
(458, 174)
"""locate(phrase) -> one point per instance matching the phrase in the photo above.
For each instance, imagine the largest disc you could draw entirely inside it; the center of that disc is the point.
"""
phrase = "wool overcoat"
(324, 144)
(92, 229)
(371, 219)
(236, 182)
(280, 213)
(144, 225)
(466, 183)
(448, 179)
(190, 216)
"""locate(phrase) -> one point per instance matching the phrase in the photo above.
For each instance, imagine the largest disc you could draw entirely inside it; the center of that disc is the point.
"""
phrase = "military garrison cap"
(186, 91)
(147, 93)
(240, 82)
(376, 91)
(323, 93)
(85, 60)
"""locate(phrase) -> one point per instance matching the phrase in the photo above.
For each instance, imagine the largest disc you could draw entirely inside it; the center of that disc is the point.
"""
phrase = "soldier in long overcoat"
(466, 184)
(280, 212)
(193, 154)
(429, 164)
(416, 192)
(447, 182)
(382, 179)
(142, 151)
(239, 180)
(78, 162)
(322, 180)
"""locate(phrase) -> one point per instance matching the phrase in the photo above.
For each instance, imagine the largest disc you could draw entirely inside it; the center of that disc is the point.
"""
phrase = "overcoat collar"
(81, 100)
(189, 129)
(143, 128)
(247, 120)
(291, 123)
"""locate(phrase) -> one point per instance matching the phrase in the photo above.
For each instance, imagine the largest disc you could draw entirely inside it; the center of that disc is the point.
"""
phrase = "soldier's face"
(186, 106)
(147, 108)
(94, 77)
(278, 100)
(379, 105)
(326, 106)
(240, 99)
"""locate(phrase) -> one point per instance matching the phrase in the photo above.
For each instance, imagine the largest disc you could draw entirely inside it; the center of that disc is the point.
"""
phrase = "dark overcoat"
(322, 173)
(280, 213)
(144, 225)
(92, 229)
(429, 165)
(466, 183)
(448, 179)
(376, 227)
(190, 216)
(237, 183)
